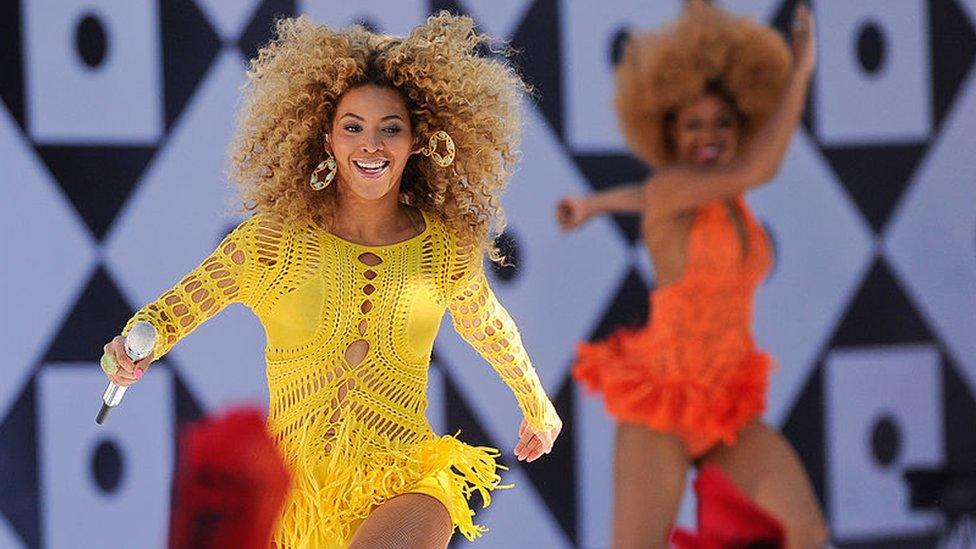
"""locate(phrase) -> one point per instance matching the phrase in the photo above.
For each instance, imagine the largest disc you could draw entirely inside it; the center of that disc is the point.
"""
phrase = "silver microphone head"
(140, 340)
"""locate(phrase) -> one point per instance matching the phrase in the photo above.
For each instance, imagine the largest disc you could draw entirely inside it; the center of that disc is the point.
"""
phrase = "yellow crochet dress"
(356, 434)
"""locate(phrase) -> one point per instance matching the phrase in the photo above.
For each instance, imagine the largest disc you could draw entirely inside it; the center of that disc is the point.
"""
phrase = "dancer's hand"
(118, 367)
(804, 40)
(531, 444)
(572, 211)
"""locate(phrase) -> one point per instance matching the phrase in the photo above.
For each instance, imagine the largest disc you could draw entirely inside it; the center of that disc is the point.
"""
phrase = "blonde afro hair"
(662, 71)
(294, 86)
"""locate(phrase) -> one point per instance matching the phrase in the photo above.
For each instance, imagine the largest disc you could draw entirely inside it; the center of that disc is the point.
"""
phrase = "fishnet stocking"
(407, 521)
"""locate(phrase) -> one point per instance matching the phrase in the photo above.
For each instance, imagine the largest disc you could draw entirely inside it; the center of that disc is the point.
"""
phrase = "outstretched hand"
(532, 445)
(571, 212)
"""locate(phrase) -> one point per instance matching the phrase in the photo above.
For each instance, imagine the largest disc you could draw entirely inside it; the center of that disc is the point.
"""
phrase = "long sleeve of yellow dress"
(239, 270)
(484, 323)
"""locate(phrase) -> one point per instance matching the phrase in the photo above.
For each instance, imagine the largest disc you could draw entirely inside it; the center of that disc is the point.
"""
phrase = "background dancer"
(711, 103)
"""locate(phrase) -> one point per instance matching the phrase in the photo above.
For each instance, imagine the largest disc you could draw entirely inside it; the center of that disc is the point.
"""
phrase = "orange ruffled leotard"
(694, 369)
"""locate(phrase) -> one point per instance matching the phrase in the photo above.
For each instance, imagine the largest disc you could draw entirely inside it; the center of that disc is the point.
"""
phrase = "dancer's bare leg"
(648, 480)
(764, 465)
(407, 521)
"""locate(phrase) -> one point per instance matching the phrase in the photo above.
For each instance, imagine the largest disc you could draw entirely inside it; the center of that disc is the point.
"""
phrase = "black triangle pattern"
(537, 42)
(875, 177)
(804, 429)
(19, 481)
(630, 307)
(953, 42)
(11, 61)
(554, 475)
(97, 180)
(960, 419)
(880, 313)
(184, 68)
(97, 316)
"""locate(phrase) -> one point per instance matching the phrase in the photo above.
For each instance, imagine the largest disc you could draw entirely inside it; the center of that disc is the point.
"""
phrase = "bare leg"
(764, 465)
(407, 521)
(648, 480)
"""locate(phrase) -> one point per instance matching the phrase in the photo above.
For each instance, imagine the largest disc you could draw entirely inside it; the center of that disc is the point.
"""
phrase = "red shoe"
(727, 518)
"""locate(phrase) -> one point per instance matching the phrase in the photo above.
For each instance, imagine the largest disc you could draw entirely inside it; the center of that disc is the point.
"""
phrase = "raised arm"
(677, 188)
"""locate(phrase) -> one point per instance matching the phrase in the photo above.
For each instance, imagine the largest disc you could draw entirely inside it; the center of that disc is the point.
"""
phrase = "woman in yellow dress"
(374, 167)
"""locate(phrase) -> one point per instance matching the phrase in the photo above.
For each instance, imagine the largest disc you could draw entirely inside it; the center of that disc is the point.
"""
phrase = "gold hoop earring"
(450, 150)
(328, 165)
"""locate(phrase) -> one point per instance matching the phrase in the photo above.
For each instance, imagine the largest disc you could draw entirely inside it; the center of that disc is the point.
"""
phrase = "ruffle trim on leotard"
(701, 413)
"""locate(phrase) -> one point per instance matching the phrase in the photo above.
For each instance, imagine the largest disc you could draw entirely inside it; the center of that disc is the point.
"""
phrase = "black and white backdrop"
(114, 123)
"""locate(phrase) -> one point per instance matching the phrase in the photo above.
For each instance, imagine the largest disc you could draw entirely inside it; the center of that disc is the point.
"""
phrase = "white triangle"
(8, 538)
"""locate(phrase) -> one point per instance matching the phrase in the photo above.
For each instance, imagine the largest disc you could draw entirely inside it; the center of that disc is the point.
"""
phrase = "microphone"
(139, 344)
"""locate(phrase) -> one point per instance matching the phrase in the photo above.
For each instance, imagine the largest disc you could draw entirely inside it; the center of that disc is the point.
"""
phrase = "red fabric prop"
(727, 518)
(230, 485)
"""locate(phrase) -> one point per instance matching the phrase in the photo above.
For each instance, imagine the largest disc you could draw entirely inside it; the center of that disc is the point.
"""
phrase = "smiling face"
(371, 139)
(706, 131)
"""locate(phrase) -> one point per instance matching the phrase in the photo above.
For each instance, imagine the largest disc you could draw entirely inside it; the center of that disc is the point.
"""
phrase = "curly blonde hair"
(294, 86)
(705, 50)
